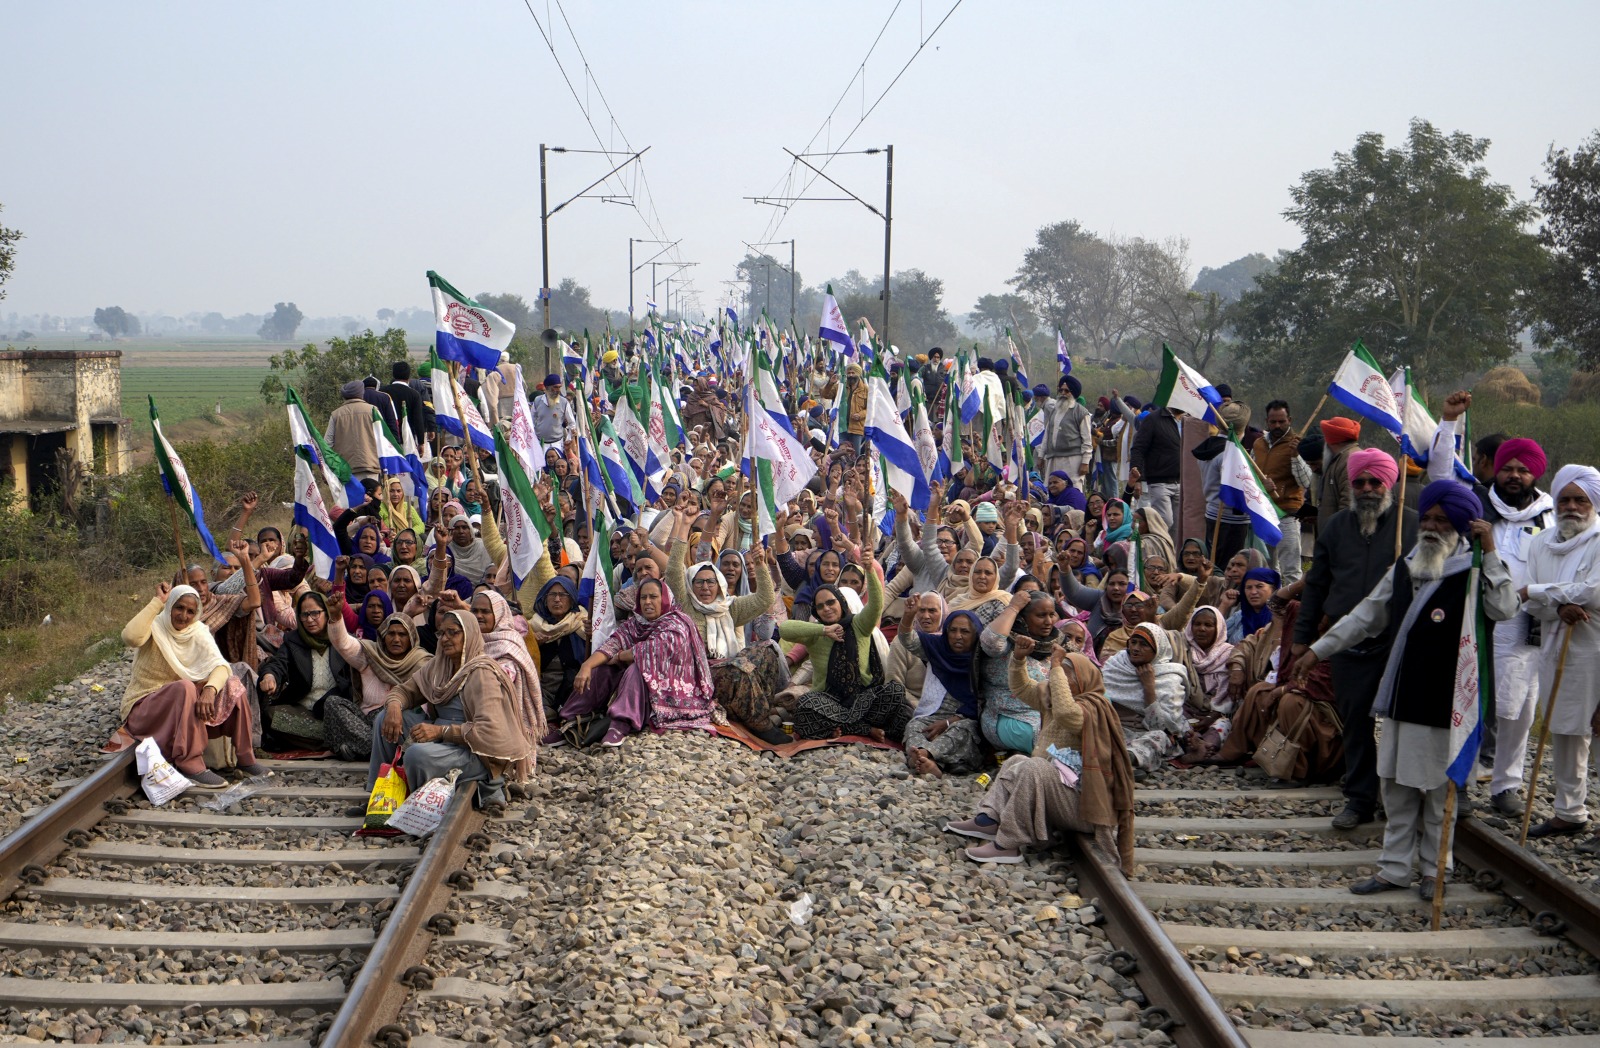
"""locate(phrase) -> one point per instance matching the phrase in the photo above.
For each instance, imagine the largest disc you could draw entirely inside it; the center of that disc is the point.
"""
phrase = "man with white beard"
(1351, 555)
(1518, 511)
(1425, 597)
(1563, 593)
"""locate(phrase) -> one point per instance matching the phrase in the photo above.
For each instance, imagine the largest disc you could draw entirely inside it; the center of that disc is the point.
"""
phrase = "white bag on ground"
(423, 810)
(160, 779)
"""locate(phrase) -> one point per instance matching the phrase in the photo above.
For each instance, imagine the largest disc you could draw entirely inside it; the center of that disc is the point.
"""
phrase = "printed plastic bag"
(423, 811)
(160, 779)
(388, 793)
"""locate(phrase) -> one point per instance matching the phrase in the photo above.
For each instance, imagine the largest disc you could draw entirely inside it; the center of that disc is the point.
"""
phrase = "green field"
(183, 393)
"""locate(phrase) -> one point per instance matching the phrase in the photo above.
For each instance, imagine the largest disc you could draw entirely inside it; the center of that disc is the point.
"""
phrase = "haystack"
(1585, 387)
(1508, 385)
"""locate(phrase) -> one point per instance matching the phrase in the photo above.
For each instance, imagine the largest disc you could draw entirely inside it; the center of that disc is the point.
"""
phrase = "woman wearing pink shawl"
(652, 671)
(504, 643)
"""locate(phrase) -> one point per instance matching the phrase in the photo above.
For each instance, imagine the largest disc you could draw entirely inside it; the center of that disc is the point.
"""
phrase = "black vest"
(1424, 682)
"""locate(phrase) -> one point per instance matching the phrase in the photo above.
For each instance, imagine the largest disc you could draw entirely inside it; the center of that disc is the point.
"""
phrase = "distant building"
(61, 400)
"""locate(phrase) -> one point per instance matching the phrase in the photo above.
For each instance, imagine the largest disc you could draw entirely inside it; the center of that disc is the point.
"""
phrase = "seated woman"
(944, 733)
(407, 550)
(744, 677)
(1138, 607)
(1009, 722)
(1257, 666)
(398, 512)
(459, 713)
(927, 613)
(181, 690)
(384, 662)
(855, 697)
(1209, 652)
(1031, 799)
(505, 642)
(652, 672)
(374, 611)
(1115, 526)
(303, 672)
(560, 627)
(404, 583)
(1103, 603)
(1253, 611)
(1147, 686)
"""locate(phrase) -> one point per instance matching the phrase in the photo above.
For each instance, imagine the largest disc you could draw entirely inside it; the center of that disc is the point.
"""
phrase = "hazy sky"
(202, 156)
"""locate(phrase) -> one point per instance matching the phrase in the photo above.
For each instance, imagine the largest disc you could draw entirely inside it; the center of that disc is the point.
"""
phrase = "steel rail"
(376, 993)
(1193, 1018)
(44, 836)
(1531, 882)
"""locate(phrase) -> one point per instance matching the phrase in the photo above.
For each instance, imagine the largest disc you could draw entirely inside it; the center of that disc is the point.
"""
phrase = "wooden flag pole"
(177, 536)
(1544, 735)
(1444, 853)
(1400, 509)
(1313, 416)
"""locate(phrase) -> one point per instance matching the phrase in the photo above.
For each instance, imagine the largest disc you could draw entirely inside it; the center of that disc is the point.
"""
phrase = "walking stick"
(1444, 850)
(1544, 736)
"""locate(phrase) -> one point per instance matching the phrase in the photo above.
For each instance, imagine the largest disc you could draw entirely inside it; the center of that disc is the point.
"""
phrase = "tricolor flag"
(1184, 389)
(392, 458)
(594, 588)
(1062, 355)
(527, 528)
(1469, 705)
(311, 513)
(408, 447)
(176, 480)
(902, 467)
(464, 331)
(833, 327)
(1360, 386)
(619, 474)
(1244, 491)
(446, 394)
(347, 490)
(774, 457)
(951, 458)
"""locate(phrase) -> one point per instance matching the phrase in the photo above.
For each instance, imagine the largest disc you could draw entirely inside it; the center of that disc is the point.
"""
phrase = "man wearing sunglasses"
(1352, 553)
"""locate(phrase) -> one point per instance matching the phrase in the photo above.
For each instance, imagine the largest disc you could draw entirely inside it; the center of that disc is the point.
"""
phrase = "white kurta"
(1567, 573)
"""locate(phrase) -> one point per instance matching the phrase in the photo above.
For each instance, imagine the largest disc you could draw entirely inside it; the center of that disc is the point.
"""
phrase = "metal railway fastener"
(1560, 906)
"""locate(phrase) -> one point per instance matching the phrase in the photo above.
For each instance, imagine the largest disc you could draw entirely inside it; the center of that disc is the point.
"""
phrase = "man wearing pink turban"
(1517, 510)
(1351, 555)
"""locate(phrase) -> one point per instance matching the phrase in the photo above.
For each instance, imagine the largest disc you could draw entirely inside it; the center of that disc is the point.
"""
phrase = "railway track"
(169, 921)
(1240, 930)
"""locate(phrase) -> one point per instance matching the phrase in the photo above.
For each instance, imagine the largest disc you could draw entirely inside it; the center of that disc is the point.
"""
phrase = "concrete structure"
(55, 400)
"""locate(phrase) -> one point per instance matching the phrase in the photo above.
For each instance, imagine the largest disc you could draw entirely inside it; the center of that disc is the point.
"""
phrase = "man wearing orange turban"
(1339, 436)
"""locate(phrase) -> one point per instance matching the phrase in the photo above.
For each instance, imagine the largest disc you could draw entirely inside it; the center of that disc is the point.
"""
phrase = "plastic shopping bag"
(388, 794)
(160, 779)
(423, 811)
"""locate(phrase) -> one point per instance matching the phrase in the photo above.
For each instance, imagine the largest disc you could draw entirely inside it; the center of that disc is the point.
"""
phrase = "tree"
(917, 317)
(1231, 281)
(1410, 249)
(116, 321)
(995, 313)
(1079, 283)
(1566, 295)
(767, 281)
(282, 324)
(317, 374)
(1164, 308)
(385, 317)
(572, 312)
(8, 253)
(513, 308)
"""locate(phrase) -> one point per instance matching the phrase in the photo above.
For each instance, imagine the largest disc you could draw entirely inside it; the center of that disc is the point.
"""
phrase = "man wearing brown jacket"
(350, 433)
(1277, 456)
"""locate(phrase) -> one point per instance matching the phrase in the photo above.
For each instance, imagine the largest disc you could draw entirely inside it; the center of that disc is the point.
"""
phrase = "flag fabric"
(408, 447)
(311, 513)
(524, 440)
(594, 588)
(1417, 436)
(464, 331)
(774, 458)
(614, 462)
(176, 480)
(1470, 702)
(1182, 388)
(1062, 355)
(902, 466)
(346, 489)
(1360, 386)
(640, 456)
(833, 327)
(527, 528)
(444, 410)
(951, 458)
(392, 458)
(922, 436)
(1244, 491)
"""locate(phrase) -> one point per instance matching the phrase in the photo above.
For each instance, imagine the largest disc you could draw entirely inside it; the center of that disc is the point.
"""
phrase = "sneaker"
(208, 780)
(992, 852)
(1425, 889)
(973, 828)
(614, 736)
(552, 739)
(1374, 885)
(1349, 819)
(254, 771)
(1507, 803)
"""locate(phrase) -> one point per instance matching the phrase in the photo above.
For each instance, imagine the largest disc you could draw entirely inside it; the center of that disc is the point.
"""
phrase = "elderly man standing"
(1424, 598)
(553, 420)
(1351, 555)
(350, 432)
(1563, 593)
(1068, 433)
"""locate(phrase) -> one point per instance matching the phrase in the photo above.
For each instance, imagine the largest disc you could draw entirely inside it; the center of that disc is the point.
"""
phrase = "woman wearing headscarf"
(744, 677)
(181, 690)
(1148, 687)
(374, 611)
(852, 695)
(504, 642)
(1009, 722)
(1115, 526)
(1254, 611)
(944, 734)
(384, 661)
(1155, 540)
(408, 549)
(983, 588)
(405, 584)
(560, 627)
(1031, 799)
(398, 512)
(303, 672)
(652, 672)
(459, 713)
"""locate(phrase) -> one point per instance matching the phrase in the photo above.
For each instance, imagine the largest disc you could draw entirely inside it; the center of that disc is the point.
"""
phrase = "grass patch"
(184, 393)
